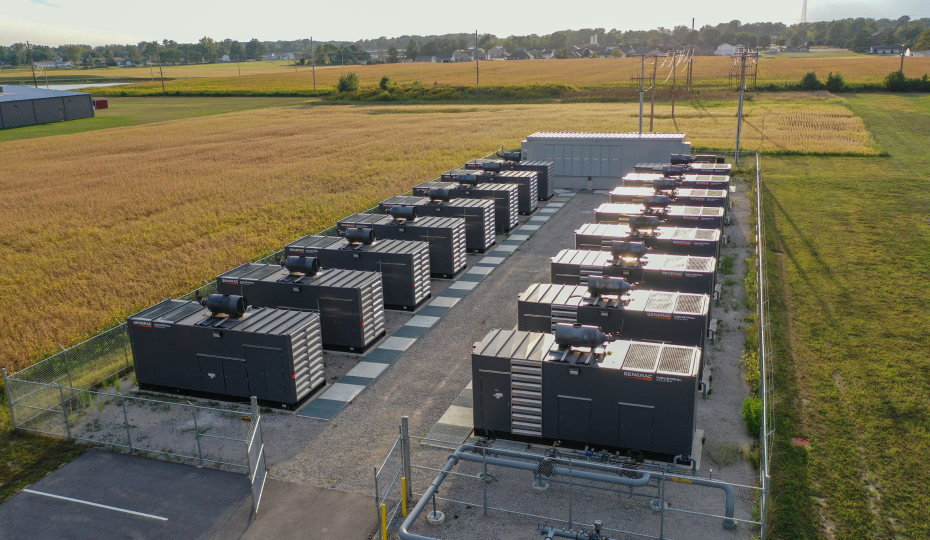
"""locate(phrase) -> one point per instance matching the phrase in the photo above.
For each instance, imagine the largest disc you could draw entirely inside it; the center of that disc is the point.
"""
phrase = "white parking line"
(95, 504)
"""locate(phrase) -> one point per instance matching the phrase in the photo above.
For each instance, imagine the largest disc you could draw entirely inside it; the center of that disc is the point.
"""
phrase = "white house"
(497, 52)
(725, 49)
(482, 54)
(885, 49)
(225, 58)
(543, 54)
(279, 56)
(925, 53)
(57, 63)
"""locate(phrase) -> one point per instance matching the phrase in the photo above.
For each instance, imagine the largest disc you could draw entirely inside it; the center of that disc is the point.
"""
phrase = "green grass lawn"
(129, 111)
(851, 239)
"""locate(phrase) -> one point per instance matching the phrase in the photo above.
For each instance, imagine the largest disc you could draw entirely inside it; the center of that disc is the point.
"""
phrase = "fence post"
(484, 477)
(377, 497)
(64, 412)
(197, 434)
(571, 492)
(124, 339)
(766, 483)
(405, 449)
(67, 368)
(126, 418)
(662, 506)
(9, 397)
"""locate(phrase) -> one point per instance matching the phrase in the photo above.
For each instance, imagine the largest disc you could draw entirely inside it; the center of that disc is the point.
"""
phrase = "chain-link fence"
(766, 357)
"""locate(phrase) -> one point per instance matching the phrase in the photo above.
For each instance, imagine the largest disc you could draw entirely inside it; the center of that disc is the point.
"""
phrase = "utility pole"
(238, 64)
(674, 75)
(35, 82)
(313, 60)
(477, 74)
(642, 87)
(652, 108)
(160, 71)
(742, 88)
(904, 45)
(691, 56)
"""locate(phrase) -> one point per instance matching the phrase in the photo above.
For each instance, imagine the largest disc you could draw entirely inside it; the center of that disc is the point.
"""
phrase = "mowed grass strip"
(709, 72)
(851, 239)
(135, 111)
(117, 219)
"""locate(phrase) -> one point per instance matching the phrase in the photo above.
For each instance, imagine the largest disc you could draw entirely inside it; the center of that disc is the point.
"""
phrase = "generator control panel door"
(337, 322)
(635, 430)
(266, 373)
(495, 400)
(211, 374)
(396, 285)
(237, 377)
(574, 419)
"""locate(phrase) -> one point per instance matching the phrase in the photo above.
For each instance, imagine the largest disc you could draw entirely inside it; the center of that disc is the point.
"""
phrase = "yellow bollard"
(383, 521)
(403, 491)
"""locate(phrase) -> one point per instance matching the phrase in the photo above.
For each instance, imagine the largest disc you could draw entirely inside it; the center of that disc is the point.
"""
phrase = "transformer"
(693, 181)
(230, 353)
(623, 395)
(350, 302)
(446, 237)
(506, 209)
(477, 213)
(545, 171)
(705, 217)
(641, 315)
(404, 266)
(667, 240)
(528, 182)
(680, 273)
(719, 198)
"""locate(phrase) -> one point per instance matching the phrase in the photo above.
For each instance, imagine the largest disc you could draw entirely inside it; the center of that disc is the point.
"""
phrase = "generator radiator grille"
(308, 358)
(705, 234)
(642, 356)
(675, 263)
(458, 247)
(700, 264)
(563, 314)
(514, 209)
(689, 303)
(489, 231)
(372, 311)
(660, 301)
(421, 277)
(711, 211)
(676, 360)
(684, 234)
(526, 397)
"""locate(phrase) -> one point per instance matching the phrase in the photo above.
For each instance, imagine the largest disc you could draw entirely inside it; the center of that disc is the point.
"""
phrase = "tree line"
(858, 34)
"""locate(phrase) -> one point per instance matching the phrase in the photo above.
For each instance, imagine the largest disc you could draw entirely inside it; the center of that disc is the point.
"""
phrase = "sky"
(58, 22)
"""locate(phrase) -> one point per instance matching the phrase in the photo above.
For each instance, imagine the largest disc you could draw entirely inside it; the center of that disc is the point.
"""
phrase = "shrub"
(385, 83)
(811, 82)
(752, 415)
(897, 82)
(835, 83)
(348, 82)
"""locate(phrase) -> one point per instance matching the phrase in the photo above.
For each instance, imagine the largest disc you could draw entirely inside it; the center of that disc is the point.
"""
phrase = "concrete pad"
(556, 205)
(283, 514)
(444, 301)
(492, 260)
(395, 343)
(517, 238)
(480, 270)
(697, 447)
(548, 210)
(343, 392)
(369, 370)
(529, 228)
(538, 220)
(423, 321)
(458, 416)
(464, 285)
(506, 249)
(469, 386)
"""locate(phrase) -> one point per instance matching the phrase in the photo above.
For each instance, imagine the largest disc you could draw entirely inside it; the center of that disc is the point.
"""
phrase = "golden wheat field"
(709, 72)
(120, 218)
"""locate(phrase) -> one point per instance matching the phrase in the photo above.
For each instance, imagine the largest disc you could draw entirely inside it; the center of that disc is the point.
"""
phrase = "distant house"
(225, 58)
(443, 58)
(425, 59)
(482, 54)
(278, 56)
(543, 54)
(625, 49)
(520, 54)
(123, 62)
(701, 50)
(885, 49)
(57, 63)
(497, 52)
(925, 53)
(725, 49)
(461, 56)
(600, 51)
(645, 50)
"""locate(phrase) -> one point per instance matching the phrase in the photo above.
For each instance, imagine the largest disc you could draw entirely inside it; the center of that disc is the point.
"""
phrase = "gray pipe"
(551, 532)
(427, 495)
(532, 467)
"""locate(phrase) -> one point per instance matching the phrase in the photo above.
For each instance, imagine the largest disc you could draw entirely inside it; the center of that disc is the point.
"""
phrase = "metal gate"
(258, 472)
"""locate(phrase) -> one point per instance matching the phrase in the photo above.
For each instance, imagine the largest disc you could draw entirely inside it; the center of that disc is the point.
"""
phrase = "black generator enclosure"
(703, 217)
(545, 172)
(693, 181)
(404, 266)
(679, 273)
(350, 302)
(626, 395)
(677, 170)
(506, 209)
(275, 355)
(446, 237)
(667, 240)
(679, 196)
(480, 225)
(527, 181)
(639, 315)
